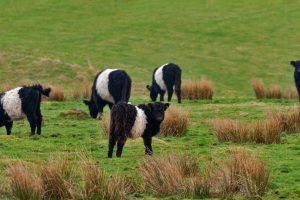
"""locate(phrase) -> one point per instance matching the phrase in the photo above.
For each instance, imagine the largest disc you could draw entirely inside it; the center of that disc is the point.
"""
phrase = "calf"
(296, 65)
(164, 79)
(129, 121)
(21, 102)
(110, 86)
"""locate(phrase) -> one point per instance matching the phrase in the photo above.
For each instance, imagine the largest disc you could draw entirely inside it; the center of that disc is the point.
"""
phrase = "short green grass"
(229, 42)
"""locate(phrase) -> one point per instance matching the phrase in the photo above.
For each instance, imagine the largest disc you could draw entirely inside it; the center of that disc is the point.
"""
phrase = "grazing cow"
(21, 102)
(164, 79)
(129, 121)
(110, 86)
(296, 65)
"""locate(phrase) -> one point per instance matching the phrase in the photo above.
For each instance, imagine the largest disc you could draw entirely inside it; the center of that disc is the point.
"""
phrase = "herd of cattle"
(111, 87)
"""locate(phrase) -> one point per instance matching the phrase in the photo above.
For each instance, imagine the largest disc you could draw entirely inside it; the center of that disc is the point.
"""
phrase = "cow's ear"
(86, 102)
(293, 63)
(166, 106)
(148, 87)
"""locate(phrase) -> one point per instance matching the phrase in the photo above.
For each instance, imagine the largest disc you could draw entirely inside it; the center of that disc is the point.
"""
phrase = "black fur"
(31, 100)
(122, 120)
(119, 86)
(171, 77)
(296, 65)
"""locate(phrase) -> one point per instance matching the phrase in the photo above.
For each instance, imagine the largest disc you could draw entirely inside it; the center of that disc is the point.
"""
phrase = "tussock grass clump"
(259, 132)
(82, 92)
(57, 179)
(6, 87)
(273, 92)
(197, 89)
(105, 124)
(289, 121)
(172, 175)
(23, 185)
(259, 89)
(98, 185)
(175, 122)
(57, 94)
(243, 173)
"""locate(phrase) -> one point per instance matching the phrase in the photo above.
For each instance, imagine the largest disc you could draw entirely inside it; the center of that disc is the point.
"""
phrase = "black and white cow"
(110, 86)
(164, 79)
(296, 65)
(22, 102)
(129, 121)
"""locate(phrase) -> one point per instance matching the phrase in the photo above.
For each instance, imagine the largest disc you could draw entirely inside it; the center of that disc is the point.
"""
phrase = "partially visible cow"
(166, 78)
(129, 121)
(110, 86)
(296, 65)
(22, 102)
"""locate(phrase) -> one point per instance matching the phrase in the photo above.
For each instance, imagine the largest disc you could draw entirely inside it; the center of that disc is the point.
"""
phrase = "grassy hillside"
(228, 42)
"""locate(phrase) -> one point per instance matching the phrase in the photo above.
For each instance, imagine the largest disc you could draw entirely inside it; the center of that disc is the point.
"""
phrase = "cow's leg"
(120, 145)
(111, 145)
(162, 95)
(39, 121)
(32, 118)
(170, 93)
(148, 145)
(110, 105)
(8, 127)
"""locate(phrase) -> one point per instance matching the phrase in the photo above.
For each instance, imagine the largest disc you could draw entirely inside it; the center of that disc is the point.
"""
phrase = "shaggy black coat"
(119, 86)
(123, 117)
(30, 99)
(171, 75)
(296, 65)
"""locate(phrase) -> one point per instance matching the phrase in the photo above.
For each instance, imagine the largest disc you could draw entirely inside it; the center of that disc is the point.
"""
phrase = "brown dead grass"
(57, 94)
(289, 120)
(104, 124)
(81, 92)
(197, 89)
(6, 87)
(173, 175)
(23, 185)
(273, 92)
(98, 185)
(259, 89)
(243, 173)
(175, 122)
(259, 132)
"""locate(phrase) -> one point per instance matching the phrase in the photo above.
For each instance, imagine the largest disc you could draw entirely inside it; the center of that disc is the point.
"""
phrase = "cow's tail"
(126, 89)
(45, 92)
(178, 84)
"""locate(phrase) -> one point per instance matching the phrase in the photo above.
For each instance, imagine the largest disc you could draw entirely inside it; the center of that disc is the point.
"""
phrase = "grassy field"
(63, 43)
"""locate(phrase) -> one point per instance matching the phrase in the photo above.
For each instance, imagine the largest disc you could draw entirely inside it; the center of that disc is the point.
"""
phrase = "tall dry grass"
(24, 185)
(175, 122)
(173, 175)
(57, 94)
(82, 92)
(289, 120)
(273, 92)
(63, 179)
(259, 89)
(5, 87)
(259, 132)
(104, 124)
(98, 185)
(243, 173)
(197, 89)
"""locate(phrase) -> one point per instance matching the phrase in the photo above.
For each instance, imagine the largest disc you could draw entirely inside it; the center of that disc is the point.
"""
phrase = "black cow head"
(158, 110)
(92, 108)
(153, 92)
(296, 65)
